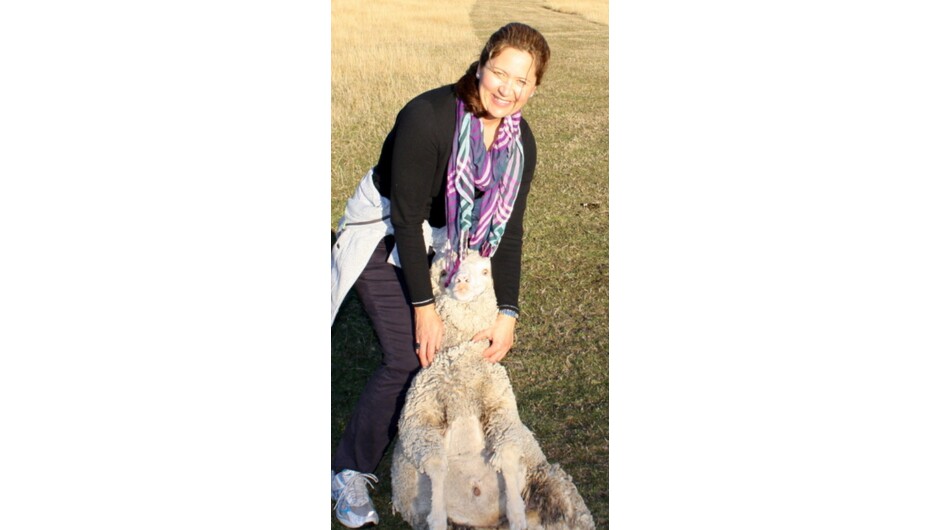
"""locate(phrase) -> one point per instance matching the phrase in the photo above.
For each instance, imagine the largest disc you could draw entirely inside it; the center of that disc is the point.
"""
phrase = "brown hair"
(513, 35)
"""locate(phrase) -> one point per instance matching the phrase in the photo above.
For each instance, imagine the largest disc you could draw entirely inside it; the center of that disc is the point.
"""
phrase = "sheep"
(463, 456)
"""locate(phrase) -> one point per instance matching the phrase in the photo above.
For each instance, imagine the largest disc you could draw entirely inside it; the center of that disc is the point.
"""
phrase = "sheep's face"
(472, 278)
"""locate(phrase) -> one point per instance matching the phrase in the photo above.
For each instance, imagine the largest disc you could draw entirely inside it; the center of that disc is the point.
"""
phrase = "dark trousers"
(374, 423)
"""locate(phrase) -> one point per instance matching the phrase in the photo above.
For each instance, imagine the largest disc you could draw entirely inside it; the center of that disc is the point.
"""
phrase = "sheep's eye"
(443, 273)
(486, 272)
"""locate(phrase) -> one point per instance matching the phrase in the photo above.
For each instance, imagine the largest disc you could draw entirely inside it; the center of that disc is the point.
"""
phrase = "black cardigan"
(411, 173)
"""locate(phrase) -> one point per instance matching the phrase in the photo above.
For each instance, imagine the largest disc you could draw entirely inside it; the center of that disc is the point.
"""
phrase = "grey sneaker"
(353, 506)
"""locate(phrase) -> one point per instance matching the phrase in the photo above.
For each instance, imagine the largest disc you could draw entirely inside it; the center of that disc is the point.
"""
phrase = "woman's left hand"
(501, 337)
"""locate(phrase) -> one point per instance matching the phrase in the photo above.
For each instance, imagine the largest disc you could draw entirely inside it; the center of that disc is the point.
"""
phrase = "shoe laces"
(354, 492)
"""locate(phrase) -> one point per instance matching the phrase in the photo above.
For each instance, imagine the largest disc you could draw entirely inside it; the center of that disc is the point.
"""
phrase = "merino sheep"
(463, 456)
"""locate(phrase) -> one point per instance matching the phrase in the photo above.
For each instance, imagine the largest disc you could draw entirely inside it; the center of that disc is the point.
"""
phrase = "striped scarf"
(497, 172)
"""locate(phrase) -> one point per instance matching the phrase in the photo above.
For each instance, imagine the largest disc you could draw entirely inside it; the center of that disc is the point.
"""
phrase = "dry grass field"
(593, 10)
(386, 52)
(383, 54)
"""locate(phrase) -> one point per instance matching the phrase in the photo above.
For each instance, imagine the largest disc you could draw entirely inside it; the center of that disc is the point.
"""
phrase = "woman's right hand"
(429, 333)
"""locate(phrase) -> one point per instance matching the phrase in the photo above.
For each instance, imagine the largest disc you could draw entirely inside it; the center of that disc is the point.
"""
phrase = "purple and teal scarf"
(496, 172)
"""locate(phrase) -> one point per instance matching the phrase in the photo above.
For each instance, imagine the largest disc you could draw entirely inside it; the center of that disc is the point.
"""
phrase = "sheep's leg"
(506, 436)
(432, 461)
(421, 434)
(436, 469)
(509, 463)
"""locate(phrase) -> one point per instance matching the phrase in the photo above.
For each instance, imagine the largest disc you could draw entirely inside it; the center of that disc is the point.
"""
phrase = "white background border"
(165, 360)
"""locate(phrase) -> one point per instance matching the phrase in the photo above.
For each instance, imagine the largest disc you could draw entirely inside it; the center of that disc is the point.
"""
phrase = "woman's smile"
(506, 82)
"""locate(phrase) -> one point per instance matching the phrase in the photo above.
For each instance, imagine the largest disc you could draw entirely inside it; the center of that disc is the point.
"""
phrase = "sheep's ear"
(437, 271)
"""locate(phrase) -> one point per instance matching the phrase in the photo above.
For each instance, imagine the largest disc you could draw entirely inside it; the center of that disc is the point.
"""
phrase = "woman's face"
(507, 81)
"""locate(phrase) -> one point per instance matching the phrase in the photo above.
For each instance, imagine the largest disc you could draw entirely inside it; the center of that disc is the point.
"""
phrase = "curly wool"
(463, 319)
(460, 436)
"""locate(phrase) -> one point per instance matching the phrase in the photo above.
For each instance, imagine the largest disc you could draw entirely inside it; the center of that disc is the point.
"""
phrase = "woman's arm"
(507, 263)
(414, 167)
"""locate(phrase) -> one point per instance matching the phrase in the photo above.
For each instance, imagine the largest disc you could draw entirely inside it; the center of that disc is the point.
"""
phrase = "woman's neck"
(491, 122)
(490, 126)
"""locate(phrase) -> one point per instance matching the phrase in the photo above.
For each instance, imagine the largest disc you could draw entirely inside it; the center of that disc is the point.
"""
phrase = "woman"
(460, 157)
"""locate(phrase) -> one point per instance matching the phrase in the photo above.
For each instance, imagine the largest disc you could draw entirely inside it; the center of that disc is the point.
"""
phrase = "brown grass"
(383, 54)
(593, 10)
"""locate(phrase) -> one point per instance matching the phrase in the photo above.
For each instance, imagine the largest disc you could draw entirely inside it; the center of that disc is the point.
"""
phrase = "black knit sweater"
(411, 173)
